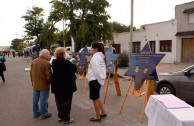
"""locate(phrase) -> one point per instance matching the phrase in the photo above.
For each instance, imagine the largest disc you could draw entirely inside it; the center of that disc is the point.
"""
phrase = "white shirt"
(97, 68)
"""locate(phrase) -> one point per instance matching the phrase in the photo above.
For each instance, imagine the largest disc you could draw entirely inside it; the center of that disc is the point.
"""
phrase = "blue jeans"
(43, 97)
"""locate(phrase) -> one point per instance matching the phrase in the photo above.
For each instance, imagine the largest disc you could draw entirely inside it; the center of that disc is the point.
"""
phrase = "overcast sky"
(145, 12)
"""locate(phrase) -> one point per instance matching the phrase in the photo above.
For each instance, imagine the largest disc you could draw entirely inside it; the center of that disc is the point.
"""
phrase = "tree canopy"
(87, 20)
(15, 43)
(34, 19)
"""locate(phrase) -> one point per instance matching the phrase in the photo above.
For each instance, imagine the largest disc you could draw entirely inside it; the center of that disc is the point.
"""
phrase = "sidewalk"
(161, 68)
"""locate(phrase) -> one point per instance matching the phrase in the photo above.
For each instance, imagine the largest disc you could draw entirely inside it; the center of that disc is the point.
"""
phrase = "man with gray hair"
(40, 75)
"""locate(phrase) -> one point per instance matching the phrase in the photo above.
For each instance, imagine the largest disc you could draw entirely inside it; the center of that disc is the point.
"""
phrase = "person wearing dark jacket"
(2, 67)
(63, 84)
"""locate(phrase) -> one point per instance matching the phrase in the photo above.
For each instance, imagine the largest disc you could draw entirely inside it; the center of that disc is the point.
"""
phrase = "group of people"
(61, 74)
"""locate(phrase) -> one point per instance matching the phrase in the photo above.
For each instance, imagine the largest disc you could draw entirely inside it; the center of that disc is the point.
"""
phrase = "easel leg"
(149, 91)
(106, 88)
(85, 85)
(126, 95)
(116, 80)
(143, 108)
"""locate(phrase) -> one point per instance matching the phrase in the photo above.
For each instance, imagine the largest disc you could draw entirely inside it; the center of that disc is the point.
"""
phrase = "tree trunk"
(72, 26)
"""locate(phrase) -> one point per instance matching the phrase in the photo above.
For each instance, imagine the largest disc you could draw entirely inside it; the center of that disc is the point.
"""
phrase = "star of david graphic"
(82, 63)
(143, 66)
(147, 50)
(110, 59)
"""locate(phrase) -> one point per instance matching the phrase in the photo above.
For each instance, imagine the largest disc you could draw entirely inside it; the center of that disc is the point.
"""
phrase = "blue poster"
(147, 50)
(82, 63)
(143, 66)
(110, 60)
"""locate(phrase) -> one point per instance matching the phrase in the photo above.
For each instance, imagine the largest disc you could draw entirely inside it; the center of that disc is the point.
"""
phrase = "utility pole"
(63, 30)
(131, 30)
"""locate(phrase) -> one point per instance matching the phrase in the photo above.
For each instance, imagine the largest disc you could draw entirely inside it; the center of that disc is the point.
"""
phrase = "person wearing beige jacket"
(40, 75)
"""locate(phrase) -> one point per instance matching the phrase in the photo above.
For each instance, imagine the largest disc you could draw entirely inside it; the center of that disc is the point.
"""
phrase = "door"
(187, 50)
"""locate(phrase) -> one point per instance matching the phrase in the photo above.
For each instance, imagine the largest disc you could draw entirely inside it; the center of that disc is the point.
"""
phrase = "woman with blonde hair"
(63, 84)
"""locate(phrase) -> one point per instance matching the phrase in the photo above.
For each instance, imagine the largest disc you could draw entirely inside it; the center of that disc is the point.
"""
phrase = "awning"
(187, 33)
(191, 10)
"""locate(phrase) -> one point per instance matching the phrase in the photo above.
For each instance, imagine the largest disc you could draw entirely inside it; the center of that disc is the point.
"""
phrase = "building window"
(152, 46)
(136, 47)
(191, 17)
(166, 46)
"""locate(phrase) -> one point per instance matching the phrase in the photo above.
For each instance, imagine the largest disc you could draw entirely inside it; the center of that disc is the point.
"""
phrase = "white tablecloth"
(159, 115)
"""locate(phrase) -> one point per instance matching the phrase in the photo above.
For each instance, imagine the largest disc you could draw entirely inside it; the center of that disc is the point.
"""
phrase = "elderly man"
(41, 78)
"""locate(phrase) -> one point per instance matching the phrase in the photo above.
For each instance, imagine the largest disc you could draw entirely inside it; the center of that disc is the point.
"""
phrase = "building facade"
(184, 15)
(4, 48)
(172, 38)
(161, 37)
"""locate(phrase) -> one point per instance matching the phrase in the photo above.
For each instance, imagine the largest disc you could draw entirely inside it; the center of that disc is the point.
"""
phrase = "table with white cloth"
(161, 115)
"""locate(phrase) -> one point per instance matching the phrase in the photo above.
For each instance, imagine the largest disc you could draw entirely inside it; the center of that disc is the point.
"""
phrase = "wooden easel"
(118, 90)
(149, 91)
(81, 77)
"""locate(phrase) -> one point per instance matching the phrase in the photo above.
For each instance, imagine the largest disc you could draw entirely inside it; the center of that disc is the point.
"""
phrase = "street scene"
(16, 100)
(97, 63)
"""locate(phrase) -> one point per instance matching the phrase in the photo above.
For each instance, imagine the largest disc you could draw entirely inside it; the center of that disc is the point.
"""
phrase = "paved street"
(16, 102)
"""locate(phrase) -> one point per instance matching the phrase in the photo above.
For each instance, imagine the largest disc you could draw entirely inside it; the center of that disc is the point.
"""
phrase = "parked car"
(105, 48)
(180, 84)
(68, 50)
(89, 49)
(113, 49)
(53, 47)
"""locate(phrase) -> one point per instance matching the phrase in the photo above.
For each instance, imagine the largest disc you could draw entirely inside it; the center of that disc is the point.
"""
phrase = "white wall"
(154, 32)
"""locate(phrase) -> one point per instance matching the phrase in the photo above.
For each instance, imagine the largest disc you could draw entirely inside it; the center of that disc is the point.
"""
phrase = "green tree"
(21, 46)
(47, 37)
(34, 19)
(142, 27)
(15, 43)
(119, 28)
(86, 19)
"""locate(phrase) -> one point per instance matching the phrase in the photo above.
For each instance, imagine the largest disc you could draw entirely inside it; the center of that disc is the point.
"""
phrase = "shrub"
(123, 60)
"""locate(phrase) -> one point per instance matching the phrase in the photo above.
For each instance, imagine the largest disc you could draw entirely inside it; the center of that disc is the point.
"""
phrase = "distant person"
(96, 77)
(13, 53)
(40, 74)
(19, 54)
(63, 84)
(34, 55)
(27, 54)
(2, 66)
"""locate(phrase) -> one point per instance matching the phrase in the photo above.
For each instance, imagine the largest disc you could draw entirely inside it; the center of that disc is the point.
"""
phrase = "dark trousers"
(2, 76)
(64, 106)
